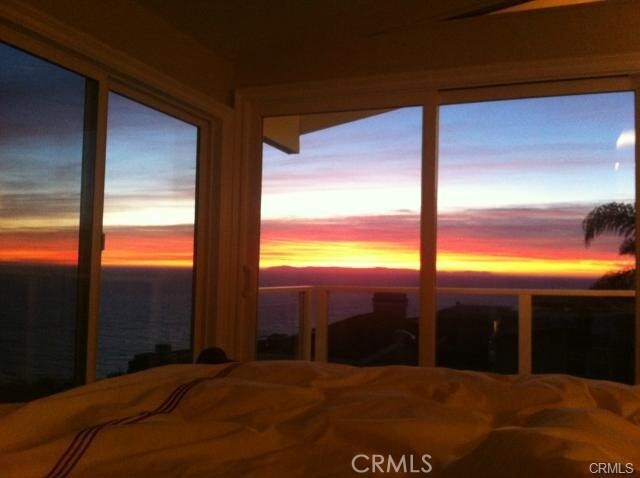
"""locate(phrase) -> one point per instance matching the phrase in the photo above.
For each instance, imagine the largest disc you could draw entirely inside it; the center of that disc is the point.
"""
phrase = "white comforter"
(301, 419)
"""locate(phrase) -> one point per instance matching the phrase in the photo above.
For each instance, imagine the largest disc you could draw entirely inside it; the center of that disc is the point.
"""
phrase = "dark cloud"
(40, 101)
(161, 232)
(49, 207)
(548, 230)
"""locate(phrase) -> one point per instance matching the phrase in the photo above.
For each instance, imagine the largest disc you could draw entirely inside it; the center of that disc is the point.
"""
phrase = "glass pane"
(149, 212)
(477, 332)
(341, 209)
(42, 109)
(279, 313)
(538, 194)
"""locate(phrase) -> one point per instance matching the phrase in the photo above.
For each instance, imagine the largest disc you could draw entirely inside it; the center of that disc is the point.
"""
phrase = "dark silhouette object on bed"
(163, 355)
(213, 355)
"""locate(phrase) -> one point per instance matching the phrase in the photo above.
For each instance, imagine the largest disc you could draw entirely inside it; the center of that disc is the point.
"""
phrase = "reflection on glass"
(149, 211)
(41, 145)
(524, 186)
(341, 207)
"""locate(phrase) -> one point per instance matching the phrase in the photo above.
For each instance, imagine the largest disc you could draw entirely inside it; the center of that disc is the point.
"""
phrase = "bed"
(307, 419)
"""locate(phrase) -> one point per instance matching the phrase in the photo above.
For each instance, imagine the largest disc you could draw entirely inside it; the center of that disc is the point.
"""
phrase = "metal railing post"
(304, 325)
(524, 334)
(322, 323)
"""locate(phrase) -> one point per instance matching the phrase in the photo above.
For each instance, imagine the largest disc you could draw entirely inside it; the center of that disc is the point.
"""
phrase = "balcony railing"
(314, 301)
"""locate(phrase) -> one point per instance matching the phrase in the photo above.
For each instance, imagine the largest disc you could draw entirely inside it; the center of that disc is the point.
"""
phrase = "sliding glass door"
(50, 192)
(147, 263)
(46, 126)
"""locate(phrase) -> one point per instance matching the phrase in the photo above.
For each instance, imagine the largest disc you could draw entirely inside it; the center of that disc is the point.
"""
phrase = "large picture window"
(531, 235)
(341, 230)
(536, 196)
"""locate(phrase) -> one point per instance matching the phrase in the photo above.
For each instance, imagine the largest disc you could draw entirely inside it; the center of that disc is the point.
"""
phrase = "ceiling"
(237, 29)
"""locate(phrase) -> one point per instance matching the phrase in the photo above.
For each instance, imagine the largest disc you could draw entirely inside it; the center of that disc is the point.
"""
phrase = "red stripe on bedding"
(78, 451)
(167, 406)
(177, 396)
(83, 439)
(80, 442)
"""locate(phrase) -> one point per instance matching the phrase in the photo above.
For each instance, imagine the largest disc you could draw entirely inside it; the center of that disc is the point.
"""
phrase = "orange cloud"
(161, 246)
(532, 241)
(40, 246)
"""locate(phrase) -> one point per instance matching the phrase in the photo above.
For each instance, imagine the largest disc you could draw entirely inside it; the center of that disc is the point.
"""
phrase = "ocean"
(143, 307)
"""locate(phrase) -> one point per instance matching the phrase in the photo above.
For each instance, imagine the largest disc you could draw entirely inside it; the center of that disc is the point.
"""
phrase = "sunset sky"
(150, 174)
(41, 121)
(149, 206)
(516, 178)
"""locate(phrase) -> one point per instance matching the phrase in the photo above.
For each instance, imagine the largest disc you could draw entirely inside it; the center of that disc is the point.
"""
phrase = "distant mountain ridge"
(381, 276)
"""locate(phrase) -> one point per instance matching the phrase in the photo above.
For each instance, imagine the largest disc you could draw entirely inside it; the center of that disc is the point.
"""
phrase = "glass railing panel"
(477, 332)
(278, 325)
(584, 336)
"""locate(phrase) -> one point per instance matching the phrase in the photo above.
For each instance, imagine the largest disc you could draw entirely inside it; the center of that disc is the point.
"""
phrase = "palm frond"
(614, 217)
(628, 246)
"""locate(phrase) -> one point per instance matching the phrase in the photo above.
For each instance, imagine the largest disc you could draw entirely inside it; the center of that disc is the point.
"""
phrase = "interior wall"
(583, 31)
(127, 27)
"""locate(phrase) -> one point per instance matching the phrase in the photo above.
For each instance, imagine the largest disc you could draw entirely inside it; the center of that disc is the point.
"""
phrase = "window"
(520, 182)
(340, 232)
